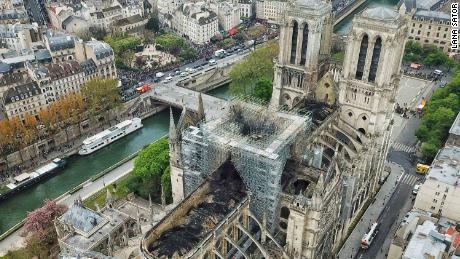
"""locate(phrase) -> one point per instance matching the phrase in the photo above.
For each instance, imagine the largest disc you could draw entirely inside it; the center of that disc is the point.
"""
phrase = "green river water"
(79, 169)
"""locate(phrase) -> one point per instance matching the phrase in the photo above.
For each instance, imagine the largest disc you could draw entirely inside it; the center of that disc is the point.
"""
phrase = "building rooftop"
(432, 15)
(380, 13)
(12, 14)
(428, 4)
(129, 20)
(426, 242)
(455, 129)
(61, 42)
(100, 49)
(89, 67)
(61, 70)
(21, 92)
(446, 167)
(90, 227)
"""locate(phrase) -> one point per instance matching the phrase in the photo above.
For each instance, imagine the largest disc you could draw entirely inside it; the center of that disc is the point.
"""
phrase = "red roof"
(456, 242)
(232, 31)
(451, 230)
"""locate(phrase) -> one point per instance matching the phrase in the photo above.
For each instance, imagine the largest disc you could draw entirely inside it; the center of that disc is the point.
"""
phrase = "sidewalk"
(351, 246)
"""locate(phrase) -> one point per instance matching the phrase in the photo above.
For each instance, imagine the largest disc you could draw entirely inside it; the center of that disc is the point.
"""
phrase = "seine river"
(79, 169)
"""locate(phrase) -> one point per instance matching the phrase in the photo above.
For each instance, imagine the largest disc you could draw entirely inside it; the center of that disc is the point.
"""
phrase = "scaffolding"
(258, 142)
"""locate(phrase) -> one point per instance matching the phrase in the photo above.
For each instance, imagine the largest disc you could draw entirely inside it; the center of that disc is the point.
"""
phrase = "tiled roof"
(380, 13)
(61, 42)
(58, 71)
(21, 92)
(101, 49)
(81, 218)
(89, 67)
(432, 15)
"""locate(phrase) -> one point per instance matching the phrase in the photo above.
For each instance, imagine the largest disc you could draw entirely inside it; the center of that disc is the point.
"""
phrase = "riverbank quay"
(72, 147)
(12, 238)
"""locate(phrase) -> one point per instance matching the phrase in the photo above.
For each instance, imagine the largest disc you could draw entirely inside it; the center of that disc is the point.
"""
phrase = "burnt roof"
(226, 191)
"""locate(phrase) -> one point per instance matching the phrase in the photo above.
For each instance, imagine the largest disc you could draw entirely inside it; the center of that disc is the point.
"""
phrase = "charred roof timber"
(198, 215)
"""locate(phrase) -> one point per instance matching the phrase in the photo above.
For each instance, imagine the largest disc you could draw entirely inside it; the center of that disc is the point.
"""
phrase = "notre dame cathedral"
(272, 183)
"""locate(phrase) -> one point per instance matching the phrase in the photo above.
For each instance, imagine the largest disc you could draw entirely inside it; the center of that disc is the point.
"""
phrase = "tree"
(101, 94)
(153, 24)
(258, 65)
(256, 31)
(149, 169)
(263, 89)
(39, 223)
(438, 116)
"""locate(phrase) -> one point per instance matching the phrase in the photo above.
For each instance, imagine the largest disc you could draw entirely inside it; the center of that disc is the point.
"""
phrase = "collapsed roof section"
(197, 216)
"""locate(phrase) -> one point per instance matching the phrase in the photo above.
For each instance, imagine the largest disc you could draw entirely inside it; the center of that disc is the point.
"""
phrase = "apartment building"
(195, 21)
(247, 8)
(101, 54)
(65, 78)
(228, 15)
(270, 10)
(23, 99)
(427, 25)
(19, 36)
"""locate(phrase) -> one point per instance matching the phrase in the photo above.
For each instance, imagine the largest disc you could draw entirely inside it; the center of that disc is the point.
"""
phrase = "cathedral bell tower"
(305, 42)
(372, 69)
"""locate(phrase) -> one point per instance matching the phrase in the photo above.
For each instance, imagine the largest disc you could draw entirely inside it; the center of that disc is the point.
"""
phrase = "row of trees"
(98, 96)
(15, 133)
(428, 55)
(438, 116)
(254, 75)
(151, 171)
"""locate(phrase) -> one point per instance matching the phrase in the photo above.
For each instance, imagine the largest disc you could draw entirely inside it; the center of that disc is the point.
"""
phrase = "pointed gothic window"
(295, 29)
(375, 59)
(303, 56)
(362, 58)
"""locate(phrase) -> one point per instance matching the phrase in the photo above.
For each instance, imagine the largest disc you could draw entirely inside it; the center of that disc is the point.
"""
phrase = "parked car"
(183, 74)
(159, 75)
(168, 79)
(212, 62)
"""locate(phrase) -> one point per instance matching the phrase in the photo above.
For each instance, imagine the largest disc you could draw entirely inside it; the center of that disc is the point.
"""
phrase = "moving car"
(416, 189)
(183, 74)
(159, 75)
(422, 169)
(212, 62)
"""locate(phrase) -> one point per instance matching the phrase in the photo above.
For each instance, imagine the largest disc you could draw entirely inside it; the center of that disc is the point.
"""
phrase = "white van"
(438, 72)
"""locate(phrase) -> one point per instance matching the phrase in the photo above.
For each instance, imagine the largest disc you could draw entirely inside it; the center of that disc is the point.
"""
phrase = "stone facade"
(304, 46)
(307, 176)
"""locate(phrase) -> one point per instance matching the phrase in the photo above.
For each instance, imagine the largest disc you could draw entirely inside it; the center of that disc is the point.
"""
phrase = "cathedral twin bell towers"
(371, 69)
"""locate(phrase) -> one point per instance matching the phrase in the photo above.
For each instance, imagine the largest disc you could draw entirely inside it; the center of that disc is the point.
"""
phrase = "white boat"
(110, 135)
